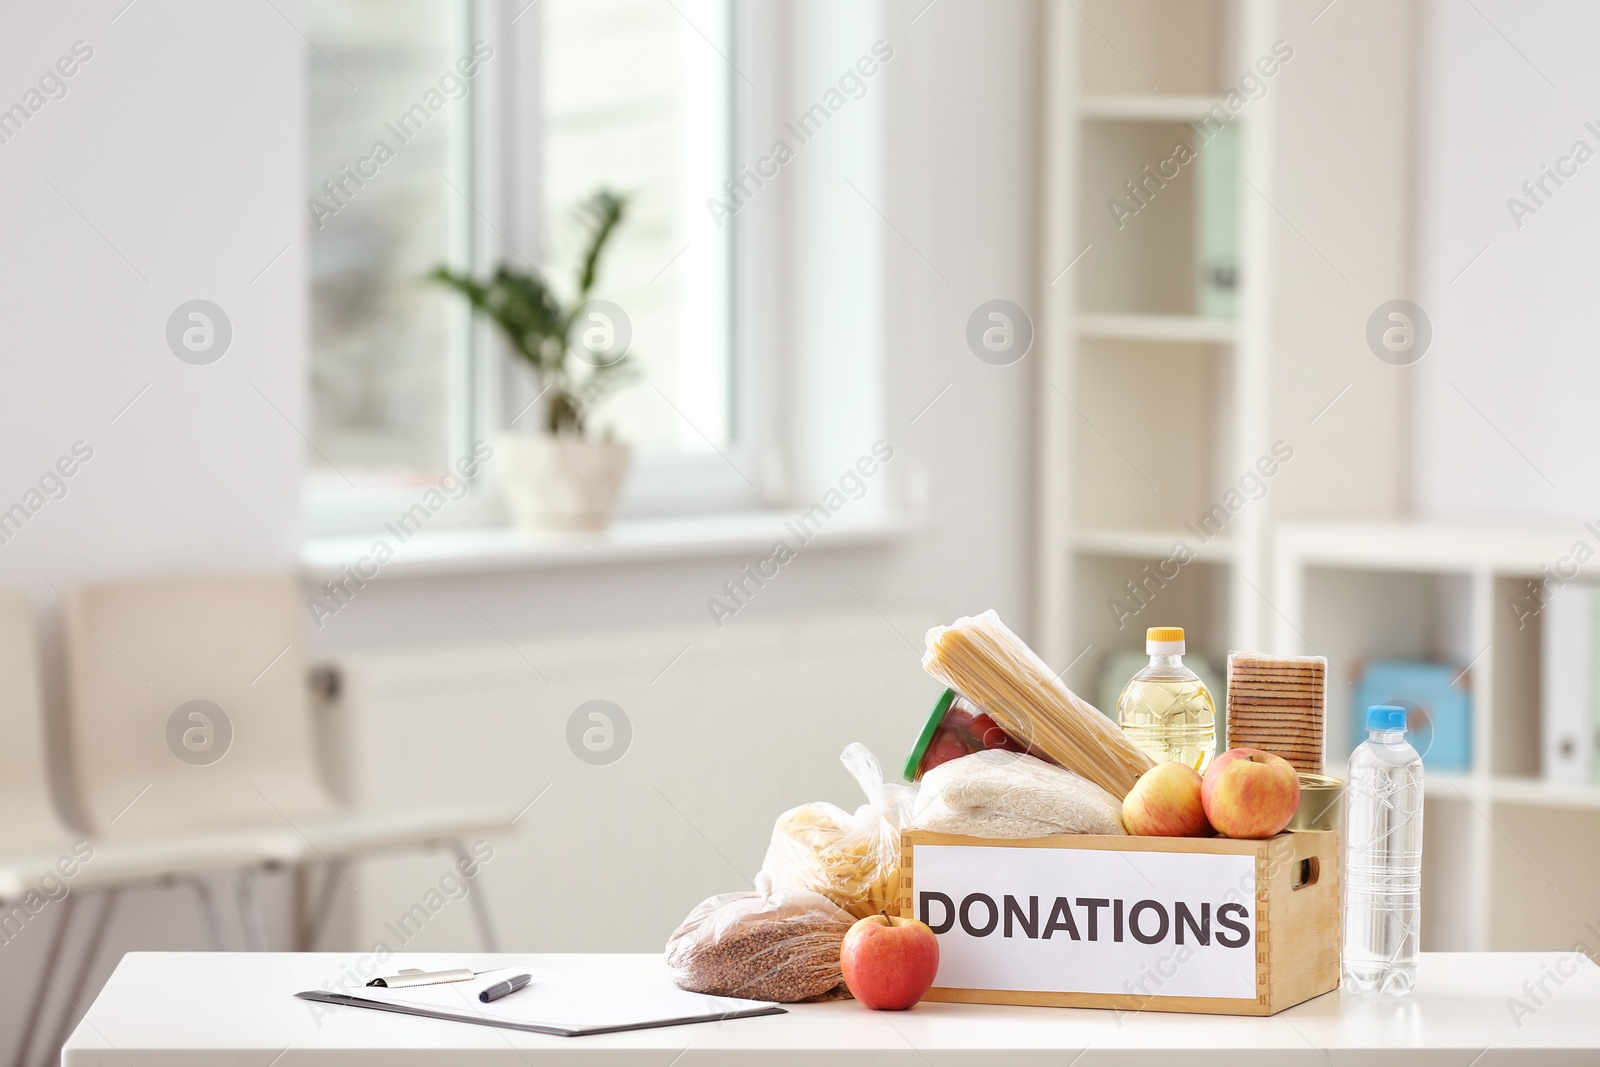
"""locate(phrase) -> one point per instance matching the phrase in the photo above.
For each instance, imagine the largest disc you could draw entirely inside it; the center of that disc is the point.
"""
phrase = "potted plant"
(568, 476)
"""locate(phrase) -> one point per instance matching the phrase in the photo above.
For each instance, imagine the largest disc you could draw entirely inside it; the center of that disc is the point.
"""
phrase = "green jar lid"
(929, 728)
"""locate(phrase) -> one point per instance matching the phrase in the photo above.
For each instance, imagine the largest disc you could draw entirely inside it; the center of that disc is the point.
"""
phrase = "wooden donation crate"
(1136, 923)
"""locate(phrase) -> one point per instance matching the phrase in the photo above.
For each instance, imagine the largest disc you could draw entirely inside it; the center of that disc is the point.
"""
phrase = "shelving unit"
(1150, 409)
(1146, 107)
(1142, 544)
(1354, 591)
(1179, 328)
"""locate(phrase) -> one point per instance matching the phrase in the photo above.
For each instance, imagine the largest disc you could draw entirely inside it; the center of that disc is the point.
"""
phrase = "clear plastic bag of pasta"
(853, 859)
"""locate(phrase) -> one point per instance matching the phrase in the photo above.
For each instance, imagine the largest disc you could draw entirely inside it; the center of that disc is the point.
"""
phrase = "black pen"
(500, 989)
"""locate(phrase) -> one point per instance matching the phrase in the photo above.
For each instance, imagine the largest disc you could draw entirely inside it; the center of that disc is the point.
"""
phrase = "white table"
(175, 1009)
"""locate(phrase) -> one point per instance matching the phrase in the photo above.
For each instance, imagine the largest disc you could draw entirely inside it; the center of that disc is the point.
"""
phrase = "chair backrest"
(189, 704)
(30, 815)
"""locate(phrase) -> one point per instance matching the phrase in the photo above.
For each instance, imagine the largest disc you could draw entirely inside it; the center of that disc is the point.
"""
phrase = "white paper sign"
(1086, 921)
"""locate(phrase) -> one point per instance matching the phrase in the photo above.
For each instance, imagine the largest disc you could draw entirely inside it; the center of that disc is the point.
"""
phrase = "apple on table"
(889, 962)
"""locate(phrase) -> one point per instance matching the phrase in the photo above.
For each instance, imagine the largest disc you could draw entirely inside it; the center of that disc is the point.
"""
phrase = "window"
(635, 99)
(634, 95)
(385, 351)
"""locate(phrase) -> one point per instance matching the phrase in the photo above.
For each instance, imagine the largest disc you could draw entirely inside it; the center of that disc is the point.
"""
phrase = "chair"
(191, 715)
(36, 849)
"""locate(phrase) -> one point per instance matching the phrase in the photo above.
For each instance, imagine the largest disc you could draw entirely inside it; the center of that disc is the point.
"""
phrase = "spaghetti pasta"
(982, 660)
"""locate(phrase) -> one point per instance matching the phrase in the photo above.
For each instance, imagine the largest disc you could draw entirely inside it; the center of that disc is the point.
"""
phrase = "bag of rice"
(1006, 795)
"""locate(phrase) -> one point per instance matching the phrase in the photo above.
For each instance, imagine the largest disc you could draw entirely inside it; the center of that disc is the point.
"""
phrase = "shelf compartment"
(1142, 257)
(1356, 616)
(1153, 46)
(1146, 434)
(1543, 879)
(1180, 328)
(1195, 596)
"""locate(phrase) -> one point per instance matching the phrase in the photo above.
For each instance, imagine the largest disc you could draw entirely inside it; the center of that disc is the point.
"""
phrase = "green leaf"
(537, 323)
(605, 210)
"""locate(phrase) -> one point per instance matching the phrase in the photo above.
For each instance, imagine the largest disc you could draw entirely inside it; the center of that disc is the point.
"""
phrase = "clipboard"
(555, 1002)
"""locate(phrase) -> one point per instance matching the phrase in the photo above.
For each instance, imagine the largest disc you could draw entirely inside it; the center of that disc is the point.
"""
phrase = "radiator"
(728, 729)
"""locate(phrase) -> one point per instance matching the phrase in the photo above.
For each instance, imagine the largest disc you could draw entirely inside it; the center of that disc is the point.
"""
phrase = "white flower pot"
(560, 483)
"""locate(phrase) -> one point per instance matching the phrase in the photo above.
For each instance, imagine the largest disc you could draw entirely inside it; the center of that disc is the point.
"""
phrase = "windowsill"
(433, 553)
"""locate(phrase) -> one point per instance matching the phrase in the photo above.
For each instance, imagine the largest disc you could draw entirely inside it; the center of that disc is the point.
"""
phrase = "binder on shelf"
(1438, 702)
(1218, 179)
(1569, 683)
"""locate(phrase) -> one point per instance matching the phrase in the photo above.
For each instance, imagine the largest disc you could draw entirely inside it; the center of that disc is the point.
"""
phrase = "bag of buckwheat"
(772, 944)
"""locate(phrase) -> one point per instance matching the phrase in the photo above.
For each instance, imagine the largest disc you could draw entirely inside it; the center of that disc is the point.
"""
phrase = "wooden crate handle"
(1307, 871)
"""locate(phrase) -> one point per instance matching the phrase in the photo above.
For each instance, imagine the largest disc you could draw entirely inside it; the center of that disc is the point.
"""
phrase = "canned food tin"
(1319, 803)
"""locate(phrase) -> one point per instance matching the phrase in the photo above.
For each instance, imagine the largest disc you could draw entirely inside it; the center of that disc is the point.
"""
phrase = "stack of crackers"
(1278, 704)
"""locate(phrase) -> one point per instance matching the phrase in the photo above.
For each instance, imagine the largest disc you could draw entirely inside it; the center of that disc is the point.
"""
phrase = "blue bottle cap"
(1386, 717)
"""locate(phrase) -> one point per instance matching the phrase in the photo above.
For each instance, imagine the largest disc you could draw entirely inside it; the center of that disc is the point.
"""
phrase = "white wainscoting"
(746, 722)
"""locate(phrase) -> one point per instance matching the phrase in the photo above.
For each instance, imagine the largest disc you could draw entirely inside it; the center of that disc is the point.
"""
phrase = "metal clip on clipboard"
(415, 976)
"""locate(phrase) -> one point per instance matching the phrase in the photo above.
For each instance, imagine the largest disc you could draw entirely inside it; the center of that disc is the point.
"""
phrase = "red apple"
(1165, 802)
(889, 962)
(1249, 793)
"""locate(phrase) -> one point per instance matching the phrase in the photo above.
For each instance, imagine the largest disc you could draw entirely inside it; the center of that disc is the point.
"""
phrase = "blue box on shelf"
(1438, 705)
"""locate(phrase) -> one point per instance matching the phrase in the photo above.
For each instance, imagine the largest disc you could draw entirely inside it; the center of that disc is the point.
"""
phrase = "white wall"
(1344, 128)
(1505, 424)
(178, 147)
(166, 173)
(180, 141)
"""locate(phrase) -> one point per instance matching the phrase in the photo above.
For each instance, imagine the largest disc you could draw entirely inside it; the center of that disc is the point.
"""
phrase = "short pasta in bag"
(852, 859)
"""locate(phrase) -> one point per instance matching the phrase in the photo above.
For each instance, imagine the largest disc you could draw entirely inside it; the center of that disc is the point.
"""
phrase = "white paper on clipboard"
(555, 1002)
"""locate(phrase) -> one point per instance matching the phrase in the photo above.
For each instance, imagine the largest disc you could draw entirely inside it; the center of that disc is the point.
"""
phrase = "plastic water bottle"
(1383, 859)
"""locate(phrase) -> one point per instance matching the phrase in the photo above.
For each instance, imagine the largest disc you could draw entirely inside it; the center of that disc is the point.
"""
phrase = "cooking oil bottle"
(1166, 709)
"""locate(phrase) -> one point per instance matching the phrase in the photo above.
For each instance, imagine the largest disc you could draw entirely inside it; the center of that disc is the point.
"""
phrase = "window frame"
(504, 222)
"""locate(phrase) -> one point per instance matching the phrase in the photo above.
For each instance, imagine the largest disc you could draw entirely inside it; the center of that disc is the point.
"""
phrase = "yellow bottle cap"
(1164, 641)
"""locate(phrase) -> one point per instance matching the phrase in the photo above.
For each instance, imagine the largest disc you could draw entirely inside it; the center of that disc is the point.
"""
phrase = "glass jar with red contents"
(955, 728)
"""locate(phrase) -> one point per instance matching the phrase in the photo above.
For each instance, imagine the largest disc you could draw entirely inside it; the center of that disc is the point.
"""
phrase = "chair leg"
(300, 919)
(52, 957)
(317, 921)
(257, 915)
(244, 888)
(480, 907)
(80, 981)
(208, 911)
